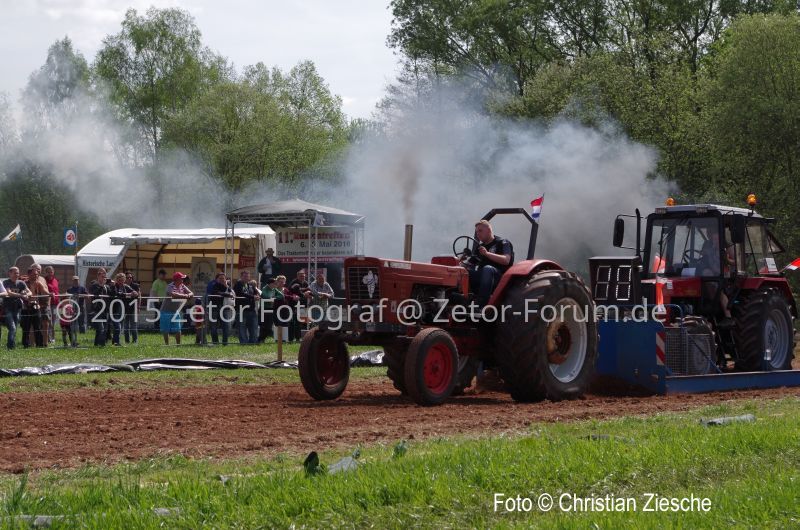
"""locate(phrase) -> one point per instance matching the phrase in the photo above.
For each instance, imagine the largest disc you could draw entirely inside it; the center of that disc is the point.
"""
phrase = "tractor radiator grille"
(688, 353)
(363, 284)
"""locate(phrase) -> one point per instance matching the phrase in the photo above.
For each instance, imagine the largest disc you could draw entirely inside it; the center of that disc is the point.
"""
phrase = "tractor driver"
(492, 257)
(709, 266)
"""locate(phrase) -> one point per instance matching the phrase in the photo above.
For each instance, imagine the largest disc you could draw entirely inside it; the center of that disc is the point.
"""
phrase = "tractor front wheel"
(324, 364)
(547, 346)
(431, 367)
(764, 334)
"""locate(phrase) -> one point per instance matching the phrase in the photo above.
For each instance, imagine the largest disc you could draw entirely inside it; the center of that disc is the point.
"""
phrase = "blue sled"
(628, 354)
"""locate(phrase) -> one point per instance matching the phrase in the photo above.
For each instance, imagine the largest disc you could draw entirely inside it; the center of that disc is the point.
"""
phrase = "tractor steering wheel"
(688, 255)
(467, 252)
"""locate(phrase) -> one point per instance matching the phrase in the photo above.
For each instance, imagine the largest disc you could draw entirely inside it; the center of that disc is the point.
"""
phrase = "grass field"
(151, 346)
(749, 471)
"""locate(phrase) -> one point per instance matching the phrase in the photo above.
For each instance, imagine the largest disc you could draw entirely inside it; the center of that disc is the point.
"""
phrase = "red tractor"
(434, 350)
(726, 305)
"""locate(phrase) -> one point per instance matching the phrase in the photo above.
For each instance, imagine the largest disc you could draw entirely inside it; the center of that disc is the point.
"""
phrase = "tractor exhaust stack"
(407, 242)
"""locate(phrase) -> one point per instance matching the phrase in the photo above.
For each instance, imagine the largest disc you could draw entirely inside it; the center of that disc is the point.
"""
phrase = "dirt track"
(69, 428)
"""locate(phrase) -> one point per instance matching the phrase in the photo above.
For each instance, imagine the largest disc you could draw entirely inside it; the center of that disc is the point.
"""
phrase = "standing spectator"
(172, 308)
(78, 295)
(300, 289)
(32, 311)
(131, 322)
(247, 297)
(43, 293)
(52, 286)
(268, 267)
(271, 298)
(159, 288)
(289, 320)
(158, 291)
(121, 296)
(16, 294)
(100, 293)
(218, 292)
(321, 291)
(282, 317)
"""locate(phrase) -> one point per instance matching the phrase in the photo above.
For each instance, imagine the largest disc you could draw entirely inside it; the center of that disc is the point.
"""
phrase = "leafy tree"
(753, 116)
(154, 67)
(55, 92)
(265, 126)
(498, 44)
(43, 207)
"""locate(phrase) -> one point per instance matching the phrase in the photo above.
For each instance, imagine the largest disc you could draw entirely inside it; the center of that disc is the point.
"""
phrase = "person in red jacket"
(52, 286)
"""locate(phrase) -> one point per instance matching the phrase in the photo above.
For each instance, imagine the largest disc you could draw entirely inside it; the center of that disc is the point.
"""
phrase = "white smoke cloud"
(440, 171)
(443, 171)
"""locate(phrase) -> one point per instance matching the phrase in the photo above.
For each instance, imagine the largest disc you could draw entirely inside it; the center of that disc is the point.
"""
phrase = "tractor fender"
(756, 283)
(521, 269)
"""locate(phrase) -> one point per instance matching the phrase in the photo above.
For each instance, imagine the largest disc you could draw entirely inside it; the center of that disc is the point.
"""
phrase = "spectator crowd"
(32, 306)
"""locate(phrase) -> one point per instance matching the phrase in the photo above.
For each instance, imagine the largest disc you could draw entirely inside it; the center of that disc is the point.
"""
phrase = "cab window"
(758, 251)
(684, 246)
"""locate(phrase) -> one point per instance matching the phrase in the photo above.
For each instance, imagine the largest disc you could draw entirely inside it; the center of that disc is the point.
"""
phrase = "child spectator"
(69, 324)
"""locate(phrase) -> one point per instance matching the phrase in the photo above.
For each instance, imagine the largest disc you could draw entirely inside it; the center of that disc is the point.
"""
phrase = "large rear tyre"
(324, 364)
(763, 322)
(431, 366)
(549, 353)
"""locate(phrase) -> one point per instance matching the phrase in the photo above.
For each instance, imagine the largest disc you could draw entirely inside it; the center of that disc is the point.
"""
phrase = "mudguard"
(521, 269)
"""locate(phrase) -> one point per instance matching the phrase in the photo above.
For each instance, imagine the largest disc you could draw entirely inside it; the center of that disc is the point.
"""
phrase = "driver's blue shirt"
(497, 246)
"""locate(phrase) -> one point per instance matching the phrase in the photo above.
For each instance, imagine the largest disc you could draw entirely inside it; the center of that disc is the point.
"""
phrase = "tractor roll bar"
(510, 211)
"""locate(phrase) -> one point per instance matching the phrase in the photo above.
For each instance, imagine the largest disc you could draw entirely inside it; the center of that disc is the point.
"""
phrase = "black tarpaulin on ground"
(368, 358)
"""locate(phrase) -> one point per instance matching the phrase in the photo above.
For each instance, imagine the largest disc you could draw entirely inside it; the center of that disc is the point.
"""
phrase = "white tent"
(63, 266)
(149, 246)
(61, 260)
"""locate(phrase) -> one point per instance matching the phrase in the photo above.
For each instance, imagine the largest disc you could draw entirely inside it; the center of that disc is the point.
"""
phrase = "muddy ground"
(65, 429)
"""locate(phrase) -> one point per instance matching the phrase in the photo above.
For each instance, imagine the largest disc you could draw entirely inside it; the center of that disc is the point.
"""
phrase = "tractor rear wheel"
(549, 353)
(763, 322)
(431, 367)
(324, 364)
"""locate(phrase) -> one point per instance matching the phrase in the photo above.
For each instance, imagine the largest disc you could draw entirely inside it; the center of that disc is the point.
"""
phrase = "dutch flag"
(536, 207)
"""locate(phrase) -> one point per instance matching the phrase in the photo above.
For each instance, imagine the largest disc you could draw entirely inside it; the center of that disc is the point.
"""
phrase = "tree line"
(154, 88)
(712, 85)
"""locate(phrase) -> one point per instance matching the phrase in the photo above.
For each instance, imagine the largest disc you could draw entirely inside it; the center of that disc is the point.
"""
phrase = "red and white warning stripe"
(661, 339)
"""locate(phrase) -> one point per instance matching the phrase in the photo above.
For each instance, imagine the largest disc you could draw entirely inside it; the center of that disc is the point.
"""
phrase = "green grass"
(151, 346)
(749, 471)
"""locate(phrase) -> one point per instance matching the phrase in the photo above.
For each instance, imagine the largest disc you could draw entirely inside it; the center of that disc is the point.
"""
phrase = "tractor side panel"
(521, 269)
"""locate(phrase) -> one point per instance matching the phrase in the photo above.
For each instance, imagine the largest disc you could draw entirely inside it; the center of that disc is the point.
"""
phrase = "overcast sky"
(345, 38)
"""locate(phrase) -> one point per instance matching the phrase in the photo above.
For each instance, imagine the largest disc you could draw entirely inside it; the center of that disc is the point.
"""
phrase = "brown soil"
(62, 429)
